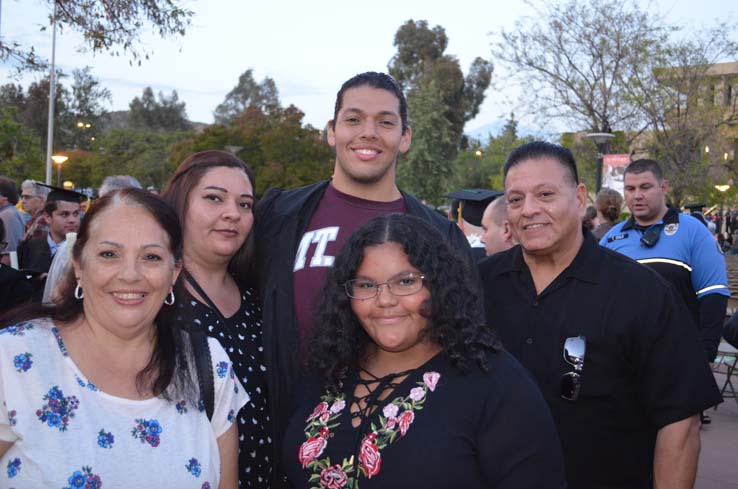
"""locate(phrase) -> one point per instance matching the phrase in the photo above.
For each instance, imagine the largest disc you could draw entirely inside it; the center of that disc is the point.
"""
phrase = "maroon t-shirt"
(337, 216)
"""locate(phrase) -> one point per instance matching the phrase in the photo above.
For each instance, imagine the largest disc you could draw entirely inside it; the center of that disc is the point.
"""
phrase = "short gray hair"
(38, 190)
(117, 182)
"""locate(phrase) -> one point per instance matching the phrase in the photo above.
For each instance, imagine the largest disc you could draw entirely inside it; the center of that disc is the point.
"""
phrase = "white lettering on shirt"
(321, 237)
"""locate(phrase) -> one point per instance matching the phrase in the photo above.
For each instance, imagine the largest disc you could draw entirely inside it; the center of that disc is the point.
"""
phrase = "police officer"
(677, 246)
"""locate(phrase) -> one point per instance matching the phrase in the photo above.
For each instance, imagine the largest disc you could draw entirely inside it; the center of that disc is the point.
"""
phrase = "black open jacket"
(281, 218)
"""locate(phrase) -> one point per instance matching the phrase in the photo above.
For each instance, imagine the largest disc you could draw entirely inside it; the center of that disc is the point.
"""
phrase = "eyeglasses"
(574, 352)
(399, 285)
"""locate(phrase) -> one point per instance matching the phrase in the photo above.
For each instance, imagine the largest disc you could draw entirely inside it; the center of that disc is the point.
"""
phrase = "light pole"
(52, 98)
(722, 189)
(59, 159)
(602, 140)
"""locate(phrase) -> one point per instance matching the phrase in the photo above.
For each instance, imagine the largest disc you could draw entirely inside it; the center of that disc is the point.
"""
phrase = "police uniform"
(682, 250)
(643, 368)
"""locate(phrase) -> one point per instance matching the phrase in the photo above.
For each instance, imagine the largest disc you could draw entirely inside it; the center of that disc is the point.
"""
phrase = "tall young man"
(298, 232)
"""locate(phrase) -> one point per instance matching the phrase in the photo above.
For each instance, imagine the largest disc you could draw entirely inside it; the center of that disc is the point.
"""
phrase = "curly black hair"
(338, 342)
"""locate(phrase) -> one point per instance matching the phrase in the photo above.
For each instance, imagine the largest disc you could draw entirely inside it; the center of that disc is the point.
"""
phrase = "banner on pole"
(613, 168)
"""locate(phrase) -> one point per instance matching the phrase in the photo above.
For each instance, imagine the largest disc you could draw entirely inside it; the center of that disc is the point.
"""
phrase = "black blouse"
(437, 429)
(241, 339)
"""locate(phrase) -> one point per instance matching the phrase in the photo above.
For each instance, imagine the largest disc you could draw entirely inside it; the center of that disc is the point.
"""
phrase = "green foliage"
(426, 170)
(481, 166)
(158, 114)
(281, 151)
(585, 154)
(32, 109)
(20, 153)
(88, 108)
(420, 60)
(245, 94)
(106, 26)
(141, 154)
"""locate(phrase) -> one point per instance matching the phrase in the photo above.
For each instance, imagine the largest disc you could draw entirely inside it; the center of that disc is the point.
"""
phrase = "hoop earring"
(79, 293)
(170, 298)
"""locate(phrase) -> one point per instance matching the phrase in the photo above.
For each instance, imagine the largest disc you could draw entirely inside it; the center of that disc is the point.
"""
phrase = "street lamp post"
(52, 98)
(722, 189)
(59, 159)
(602, 140)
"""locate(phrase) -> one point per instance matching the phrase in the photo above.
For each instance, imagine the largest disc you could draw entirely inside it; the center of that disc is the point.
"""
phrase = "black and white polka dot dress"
(241, 339)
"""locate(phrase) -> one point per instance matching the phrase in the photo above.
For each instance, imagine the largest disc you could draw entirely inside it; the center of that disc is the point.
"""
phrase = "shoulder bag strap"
(204, 368)
(201, 350)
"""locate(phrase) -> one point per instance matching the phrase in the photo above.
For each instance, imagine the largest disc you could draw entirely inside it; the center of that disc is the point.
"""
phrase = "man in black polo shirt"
(626, 392)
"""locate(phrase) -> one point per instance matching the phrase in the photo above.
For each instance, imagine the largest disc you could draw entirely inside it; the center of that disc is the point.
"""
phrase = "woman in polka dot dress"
(213, 195)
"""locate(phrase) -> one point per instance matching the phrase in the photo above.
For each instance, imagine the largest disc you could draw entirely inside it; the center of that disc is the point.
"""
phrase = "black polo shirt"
(644, 366)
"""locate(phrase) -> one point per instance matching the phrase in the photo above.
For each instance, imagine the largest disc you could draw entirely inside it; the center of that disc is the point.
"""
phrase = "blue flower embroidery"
(18, 329)
(59, 341)
(58, 410)
(11, 418)
(84, 479)
(193, 467)
(22, 362)
(201, 405)
(231, 416)
(14, 467)
(181, 407)
(222, 369)
(89, 384)
(205, 485)
(148, 431)
(105, 439)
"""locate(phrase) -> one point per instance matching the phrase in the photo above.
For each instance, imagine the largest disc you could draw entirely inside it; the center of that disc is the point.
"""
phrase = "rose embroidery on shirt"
(396, 419)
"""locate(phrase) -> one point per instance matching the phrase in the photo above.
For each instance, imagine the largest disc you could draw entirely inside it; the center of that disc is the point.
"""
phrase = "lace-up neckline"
(362, 407)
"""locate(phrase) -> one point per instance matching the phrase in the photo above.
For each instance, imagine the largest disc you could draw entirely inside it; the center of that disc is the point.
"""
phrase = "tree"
(281, 150)
(574, 60)
(420, 59)
(245, 94)
(20, 151)
(32, 109)
(426, 170)
(158, 114)
(107, 26)
(480, 166)
(142, 154)
(676, 91)
(88, 107)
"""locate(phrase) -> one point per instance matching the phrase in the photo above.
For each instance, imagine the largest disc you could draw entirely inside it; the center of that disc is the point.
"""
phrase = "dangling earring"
(78, 292)
(170, 298)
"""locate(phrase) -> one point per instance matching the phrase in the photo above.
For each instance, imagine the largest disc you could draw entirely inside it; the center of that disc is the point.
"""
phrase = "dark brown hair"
(188, 175)
(162, 369)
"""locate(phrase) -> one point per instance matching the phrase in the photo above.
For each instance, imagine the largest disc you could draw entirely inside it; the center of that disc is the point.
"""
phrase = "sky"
(308, 48)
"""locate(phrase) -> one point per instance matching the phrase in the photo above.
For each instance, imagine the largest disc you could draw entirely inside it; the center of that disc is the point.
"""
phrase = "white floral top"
(67, 434)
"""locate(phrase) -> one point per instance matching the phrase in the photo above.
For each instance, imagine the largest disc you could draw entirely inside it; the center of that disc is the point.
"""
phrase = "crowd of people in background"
(345, 334)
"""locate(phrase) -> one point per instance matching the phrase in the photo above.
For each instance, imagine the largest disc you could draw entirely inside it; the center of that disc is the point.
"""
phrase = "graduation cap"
(56, 194)
(470, 204)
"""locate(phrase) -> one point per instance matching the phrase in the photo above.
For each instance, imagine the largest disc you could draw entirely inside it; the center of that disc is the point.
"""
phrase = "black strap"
(204, 368)
(201, 350)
